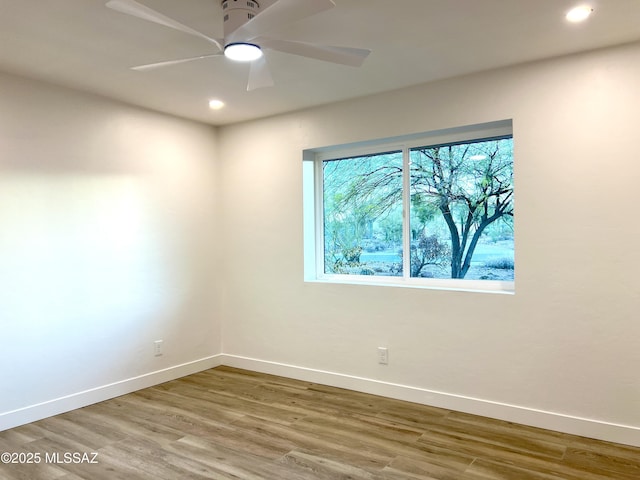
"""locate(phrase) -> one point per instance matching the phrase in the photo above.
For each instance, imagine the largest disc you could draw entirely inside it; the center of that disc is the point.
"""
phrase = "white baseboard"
(56, 406)
(625, 434)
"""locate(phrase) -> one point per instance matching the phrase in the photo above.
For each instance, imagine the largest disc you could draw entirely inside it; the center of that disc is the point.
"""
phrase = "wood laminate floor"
(226, 424)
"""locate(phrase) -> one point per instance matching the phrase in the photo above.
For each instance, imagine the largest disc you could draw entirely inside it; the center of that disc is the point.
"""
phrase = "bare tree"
(472, 187)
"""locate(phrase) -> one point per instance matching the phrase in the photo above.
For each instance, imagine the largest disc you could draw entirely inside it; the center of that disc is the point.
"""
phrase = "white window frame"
(313, 207)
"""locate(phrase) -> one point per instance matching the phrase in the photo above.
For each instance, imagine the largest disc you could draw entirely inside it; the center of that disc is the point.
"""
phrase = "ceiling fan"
(245, 26)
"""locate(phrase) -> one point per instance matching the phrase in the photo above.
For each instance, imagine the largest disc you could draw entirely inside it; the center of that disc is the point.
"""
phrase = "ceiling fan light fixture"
(242, 52)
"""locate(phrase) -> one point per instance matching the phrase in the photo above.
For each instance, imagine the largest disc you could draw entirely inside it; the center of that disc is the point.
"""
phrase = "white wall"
(561, 353)
(108, 242)
(117, 229)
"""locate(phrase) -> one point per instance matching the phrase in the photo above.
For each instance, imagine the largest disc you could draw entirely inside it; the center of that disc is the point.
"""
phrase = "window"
(362, 214)
(427, 210)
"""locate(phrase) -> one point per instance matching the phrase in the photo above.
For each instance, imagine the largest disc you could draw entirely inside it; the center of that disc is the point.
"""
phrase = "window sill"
(472, 286)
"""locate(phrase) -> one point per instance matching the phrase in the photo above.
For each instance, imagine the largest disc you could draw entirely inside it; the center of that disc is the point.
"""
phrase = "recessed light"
(478, 157)
(579, 14)
(242, 52)
(216, 104)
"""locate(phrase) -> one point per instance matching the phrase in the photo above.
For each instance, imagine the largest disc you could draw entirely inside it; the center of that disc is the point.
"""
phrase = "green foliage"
(343, 259)
(352, 255)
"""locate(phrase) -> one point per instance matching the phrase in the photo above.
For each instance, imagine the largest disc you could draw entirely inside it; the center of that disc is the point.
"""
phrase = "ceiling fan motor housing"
(237, 13)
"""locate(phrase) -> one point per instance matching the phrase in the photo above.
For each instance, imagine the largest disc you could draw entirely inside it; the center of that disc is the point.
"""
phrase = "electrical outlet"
(157, 348)
(383, 355)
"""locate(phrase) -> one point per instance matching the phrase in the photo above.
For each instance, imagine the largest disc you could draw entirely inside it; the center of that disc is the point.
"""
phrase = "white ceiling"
(82, 44)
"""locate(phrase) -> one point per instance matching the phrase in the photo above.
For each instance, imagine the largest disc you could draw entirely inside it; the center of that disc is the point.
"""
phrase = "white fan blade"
(259, 75)
(353, 57)
(151, 66)
(131, 7)
(278, 15)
